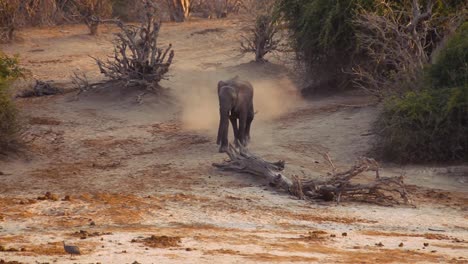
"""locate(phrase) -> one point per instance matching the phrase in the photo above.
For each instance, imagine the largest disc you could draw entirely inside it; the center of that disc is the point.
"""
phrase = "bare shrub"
(216, 8)
(93, 12)
(137, 59)
(261, 32)
(395, 42)
(8, 19)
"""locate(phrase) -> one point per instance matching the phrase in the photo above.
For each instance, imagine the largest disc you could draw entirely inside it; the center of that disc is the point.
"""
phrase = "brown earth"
(129, 171)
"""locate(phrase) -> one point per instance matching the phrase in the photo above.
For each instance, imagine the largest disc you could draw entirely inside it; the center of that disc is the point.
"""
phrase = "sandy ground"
(132, 171)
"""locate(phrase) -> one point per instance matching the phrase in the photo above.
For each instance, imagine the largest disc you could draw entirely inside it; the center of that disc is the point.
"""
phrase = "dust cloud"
(272, 98)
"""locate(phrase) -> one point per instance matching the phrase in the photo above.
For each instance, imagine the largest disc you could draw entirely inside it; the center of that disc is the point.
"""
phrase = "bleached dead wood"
(382, 190)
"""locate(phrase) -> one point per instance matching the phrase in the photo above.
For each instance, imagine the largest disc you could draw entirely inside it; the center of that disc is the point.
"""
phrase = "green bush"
(451, 64)
(9, 126)
(431, 125)
(323, 34)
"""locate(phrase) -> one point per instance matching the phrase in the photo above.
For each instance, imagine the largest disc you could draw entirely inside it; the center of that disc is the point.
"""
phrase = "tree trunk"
(179, 9)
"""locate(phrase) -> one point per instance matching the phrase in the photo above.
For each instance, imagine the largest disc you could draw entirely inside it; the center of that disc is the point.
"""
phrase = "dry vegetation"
(130, 181)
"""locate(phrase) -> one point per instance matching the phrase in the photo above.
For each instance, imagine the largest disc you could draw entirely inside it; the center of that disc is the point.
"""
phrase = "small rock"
(379, 244)
(433, 251)
(188, 249)
(401, 244)
(92, 223)
(344, 234)
(426, 244)
(102, 246)
(124, 251)
(332, 235)
(146, 248)
(1, 173)
(66, 198)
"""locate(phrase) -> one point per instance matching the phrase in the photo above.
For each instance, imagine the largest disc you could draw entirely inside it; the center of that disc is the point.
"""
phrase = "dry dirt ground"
(134, 182)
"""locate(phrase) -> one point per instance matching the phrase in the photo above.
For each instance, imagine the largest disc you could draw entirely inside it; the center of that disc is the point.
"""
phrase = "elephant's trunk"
(223, 126)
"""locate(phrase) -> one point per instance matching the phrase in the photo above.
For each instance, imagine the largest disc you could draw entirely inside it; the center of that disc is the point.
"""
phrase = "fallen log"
(382, 190)
(40, 89)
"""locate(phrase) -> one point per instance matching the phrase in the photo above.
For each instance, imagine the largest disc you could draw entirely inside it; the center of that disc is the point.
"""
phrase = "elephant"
(235, 103)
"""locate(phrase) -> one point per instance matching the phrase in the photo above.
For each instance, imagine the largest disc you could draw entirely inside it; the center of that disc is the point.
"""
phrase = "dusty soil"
(134, 182)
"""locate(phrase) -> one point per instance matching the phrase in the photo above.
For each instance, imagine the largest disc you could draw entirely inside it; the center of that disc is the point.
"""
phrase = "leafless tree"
(261, 37)
(396, 42)
(137, 59)
(93, 12)
(8, 19)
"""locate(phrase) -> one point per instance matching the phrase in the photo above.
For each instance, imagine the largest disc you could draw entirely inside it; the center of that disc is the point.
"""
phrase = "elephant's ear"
(221, 84)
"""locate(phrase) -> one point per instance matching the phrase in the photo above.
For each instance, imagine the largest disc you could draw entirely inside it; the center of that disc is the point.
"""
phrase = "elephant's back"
(244, 87)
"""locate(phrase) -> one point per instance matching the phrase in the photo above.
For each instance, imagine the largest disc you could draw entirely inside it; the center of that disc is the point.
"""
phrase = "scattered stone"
(188, 249)
(344, 234)
(83, 234)
(433, 251)
(160, 241)
(379, 244)
(9, 262)
(401, 244)
(426, 244)
(332, 235)
(66, 198)
(4, 249)
(124, 251)
(48, 196)
(92, 223)
(314, 235)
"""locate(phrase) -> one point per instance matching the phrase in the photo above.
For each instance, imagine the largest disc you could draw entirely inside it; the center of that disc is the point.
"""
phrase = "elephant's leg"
(242, 125)
(223, 130)
(235, 129)
(250, 117)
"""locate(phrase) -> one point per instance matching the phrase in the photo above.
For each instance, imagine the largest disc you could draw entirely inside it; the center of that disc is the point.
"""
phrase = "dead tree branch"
(397, 52)
(261, 37)
(137, 59)
(382, 190)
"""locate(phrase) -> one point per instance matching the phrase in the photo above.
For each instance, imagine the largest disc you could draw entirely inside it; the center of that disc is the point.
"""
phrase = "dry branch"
(261, 37)
(382, 190)
(137, 60)
(397, 52)
(40, 89)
